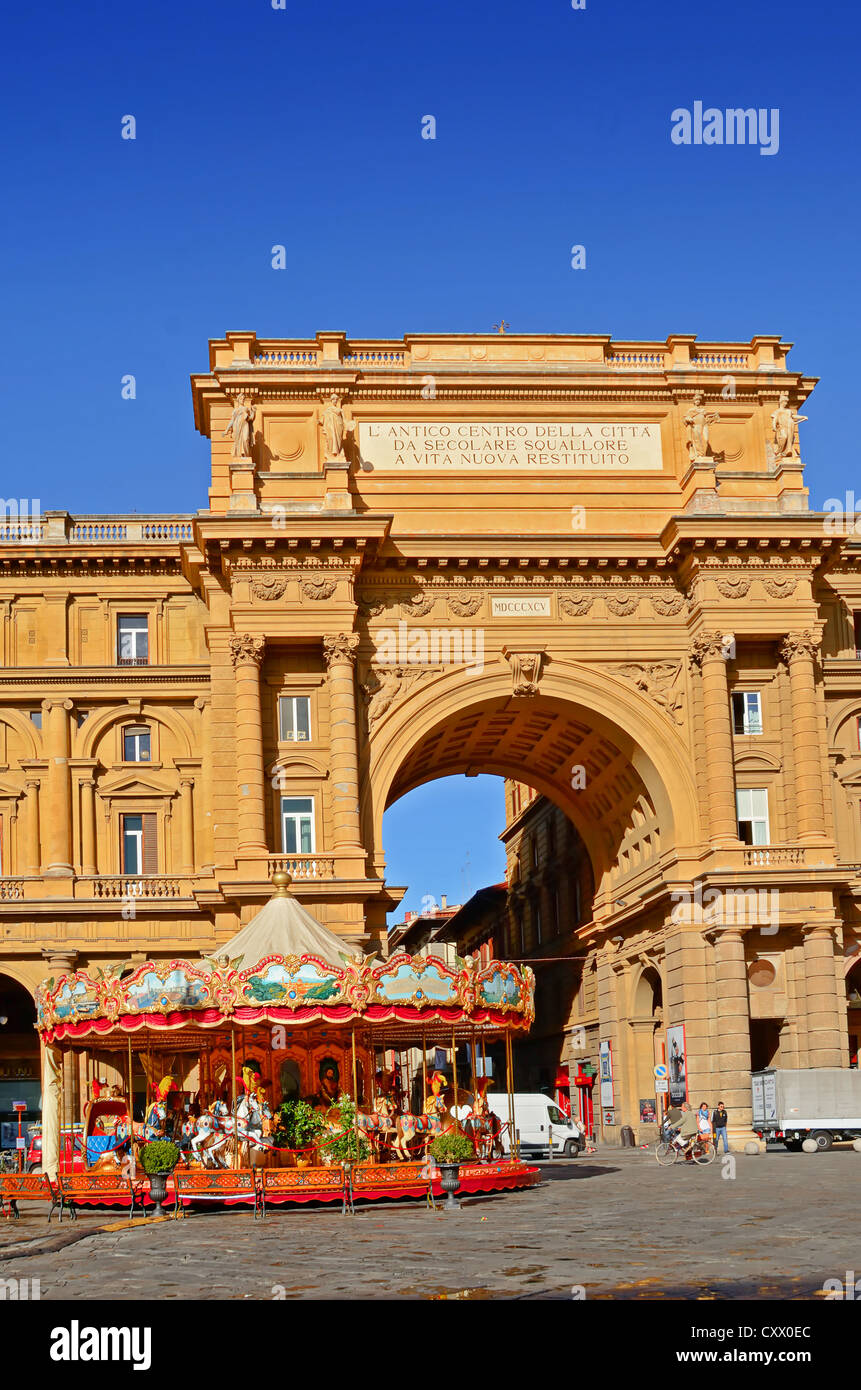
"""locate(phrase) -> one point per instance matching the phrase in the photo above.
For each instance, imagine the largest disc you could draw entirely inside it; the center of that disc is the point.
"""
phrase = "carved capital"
(796, 644)
(526, 669)
(246, 649)
(711, 646)
(341, 648)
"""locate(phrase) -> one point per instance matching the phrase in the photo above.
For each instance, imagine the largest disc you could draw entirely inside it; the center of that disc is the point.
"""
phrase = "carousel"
(283, 1070)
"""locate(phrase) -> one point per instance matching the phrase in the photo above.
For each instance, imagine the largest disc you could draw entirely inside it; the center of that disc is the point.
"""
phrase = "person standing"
(719, 1123)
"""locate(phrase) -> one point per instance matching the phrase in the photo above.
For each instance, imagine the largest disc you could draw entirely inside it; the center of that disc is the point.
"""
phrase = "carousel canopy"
(285, 928)
(285, 967)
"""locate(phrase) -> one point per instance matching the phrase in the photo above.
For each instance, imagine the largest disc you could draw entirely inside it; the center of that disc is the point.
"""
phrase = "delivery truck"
(818, 1103)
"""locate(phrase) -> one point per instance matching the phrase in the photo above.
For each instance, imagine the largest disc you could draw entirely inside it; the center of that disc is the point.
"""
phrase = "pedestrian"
(704, 1124)
(719, 1122)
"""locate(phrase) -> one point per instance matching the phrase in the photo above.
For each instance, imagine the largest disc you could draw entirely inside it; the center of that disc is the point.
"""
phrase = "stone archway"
(610, 760)
(20, 1066)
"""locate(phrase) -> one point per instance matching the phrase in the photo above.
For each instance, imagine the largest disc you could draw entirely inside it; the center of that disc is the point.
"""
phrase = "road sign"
(660, 1071)
(662, 1085)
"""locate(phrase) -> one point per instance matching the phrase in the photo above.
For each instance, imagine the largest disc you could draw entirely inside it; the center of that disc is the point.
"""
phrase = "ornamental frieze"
(575, 607)
(268, 587)
(465, 607)
(317, 589)
(780, 588)
(733, 588)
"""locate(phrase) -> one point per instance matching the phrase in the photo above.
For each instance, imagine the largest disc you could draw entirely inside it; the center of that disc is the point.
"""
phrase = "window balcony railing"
(132, 661)
(303, 867)
(123, 886)
(774, 856)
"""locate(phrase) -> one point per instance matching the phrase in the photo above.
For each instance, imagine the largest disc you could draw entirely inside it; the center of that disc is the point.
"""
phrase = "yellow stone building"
(588, 566)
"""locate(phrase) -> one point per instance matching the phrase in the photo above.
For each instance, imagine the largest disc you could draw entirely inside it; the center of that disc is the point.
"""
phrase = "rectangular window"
(132, 639)
(36, 716)
(297, 825)
(856, 622)
(747, 712)
(136, 745)
(752, 811)
(294, 719)
(139, 847)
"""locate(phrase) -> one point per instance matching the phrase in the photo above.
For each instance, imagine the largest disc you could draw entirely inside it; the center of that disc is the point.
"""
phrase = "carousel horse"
(380, 1124)
(210, 1135)
(159, 1111)
(482, 1126)
(253, 1124)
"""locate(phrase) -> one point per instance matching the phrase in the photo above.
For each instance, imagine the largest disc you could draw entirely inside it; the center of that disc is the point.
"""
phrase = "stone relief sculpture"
(779, 588)
(241, 426)
(784, 424)
(668, 605)
(419, 606)
(656, 680)
(384, 686)
(698, 420)
(623, 606)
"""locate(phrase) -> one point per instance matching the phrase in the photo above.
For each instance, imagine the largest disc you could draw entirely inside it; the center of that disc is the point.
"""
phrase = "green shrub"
(452, 1148)
(299, 1124)
(160, 1156)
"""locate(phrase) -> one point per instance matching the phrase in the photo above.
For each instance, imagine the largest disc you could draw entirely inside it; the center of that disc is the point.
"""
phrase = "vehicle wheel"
(822, 1139)
(704, 1153)
(572, 1148)
(665, 1153)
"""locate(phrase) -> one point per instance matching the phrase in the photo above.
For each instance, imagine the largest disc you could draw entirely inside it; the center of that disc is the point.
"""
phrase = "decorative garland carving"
(465, 607)
(780, 588)
(733, 588)
(318, 588)
(575, 607)
(419, 606)
(623, 607)
(268, 587)
(667, 605)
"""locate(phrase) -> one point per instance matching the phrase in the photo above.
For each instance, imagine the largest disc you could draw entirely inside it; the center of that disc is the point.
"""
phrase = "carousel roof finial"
(281, 881)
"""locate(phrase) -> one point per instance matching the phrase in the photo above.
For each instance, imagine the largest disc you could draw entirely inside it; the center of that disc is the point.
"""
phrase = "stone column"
(51, 1081)
(732, 1047)
(827, 1039)
(247, 654)
(88, 826)
(187, 824)
(340, 653)
(58, 859)
(709, 653)
(799, 651)
(32, 847)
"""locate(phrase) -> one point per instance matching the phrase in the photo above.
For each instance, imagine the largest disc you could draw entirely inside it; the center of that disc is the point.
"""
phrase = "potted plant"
(298, 1128)
(158, 1160)
(349, 1147)
(451, 1150)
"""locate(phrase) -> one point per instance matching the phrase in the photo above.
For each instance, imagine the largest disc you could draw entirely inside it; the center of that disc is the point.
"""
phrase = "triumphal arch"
(586, 565)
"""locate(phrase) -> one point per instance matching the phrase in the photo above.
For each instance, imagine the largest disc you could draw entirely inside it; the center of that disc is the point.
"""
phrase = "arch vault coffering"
(612, 763)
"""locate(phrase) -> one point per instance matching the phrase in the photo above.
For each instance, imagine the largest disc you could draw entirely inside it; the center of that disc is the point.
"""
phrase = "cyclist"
(688, 1128)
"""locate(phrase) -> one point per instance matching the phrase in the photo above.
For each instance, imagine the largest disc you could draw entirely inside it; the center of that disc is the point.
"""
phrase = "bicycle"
(9, 1161)
(702, 1149)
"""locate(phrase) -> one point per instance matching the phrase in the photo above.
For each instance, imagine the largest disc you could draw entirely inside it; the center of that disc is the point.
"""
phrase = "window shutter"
(150, 842)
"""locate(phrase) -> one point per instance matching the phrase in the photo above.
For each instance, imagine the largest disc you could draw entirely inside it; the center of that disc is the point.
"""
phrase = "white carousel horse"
(379, 1125)
(210, 1135)
(253, 1124)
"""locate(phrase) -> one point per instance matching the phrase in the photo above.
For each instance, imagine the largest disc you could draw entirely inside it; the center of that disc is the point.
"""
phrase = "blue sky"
(302, 126)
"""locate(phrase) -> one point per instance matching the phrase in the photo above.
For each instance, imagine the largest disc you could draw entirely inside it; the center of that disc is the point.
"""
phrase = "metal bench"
(77, 1189)
(218, 1185)
(25, 1187)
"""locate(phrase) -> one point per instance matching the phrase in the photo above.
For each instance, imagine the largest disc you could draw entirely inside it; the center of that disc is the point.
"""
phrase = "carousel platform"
(260, 1188)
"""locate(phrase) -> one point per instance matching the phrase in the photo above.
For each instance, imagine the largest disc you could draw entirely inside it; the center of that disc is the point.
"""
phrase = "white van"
(538, 1120)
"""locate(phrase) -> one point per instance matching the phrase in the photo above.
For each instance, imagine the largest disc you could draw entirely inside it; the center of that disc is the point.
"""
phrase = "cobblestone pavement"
(613, 1223)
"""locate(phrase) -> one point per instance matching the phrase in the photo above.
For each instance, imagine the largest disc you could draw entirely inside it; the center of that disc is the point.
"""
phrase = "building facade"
(585, 565)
